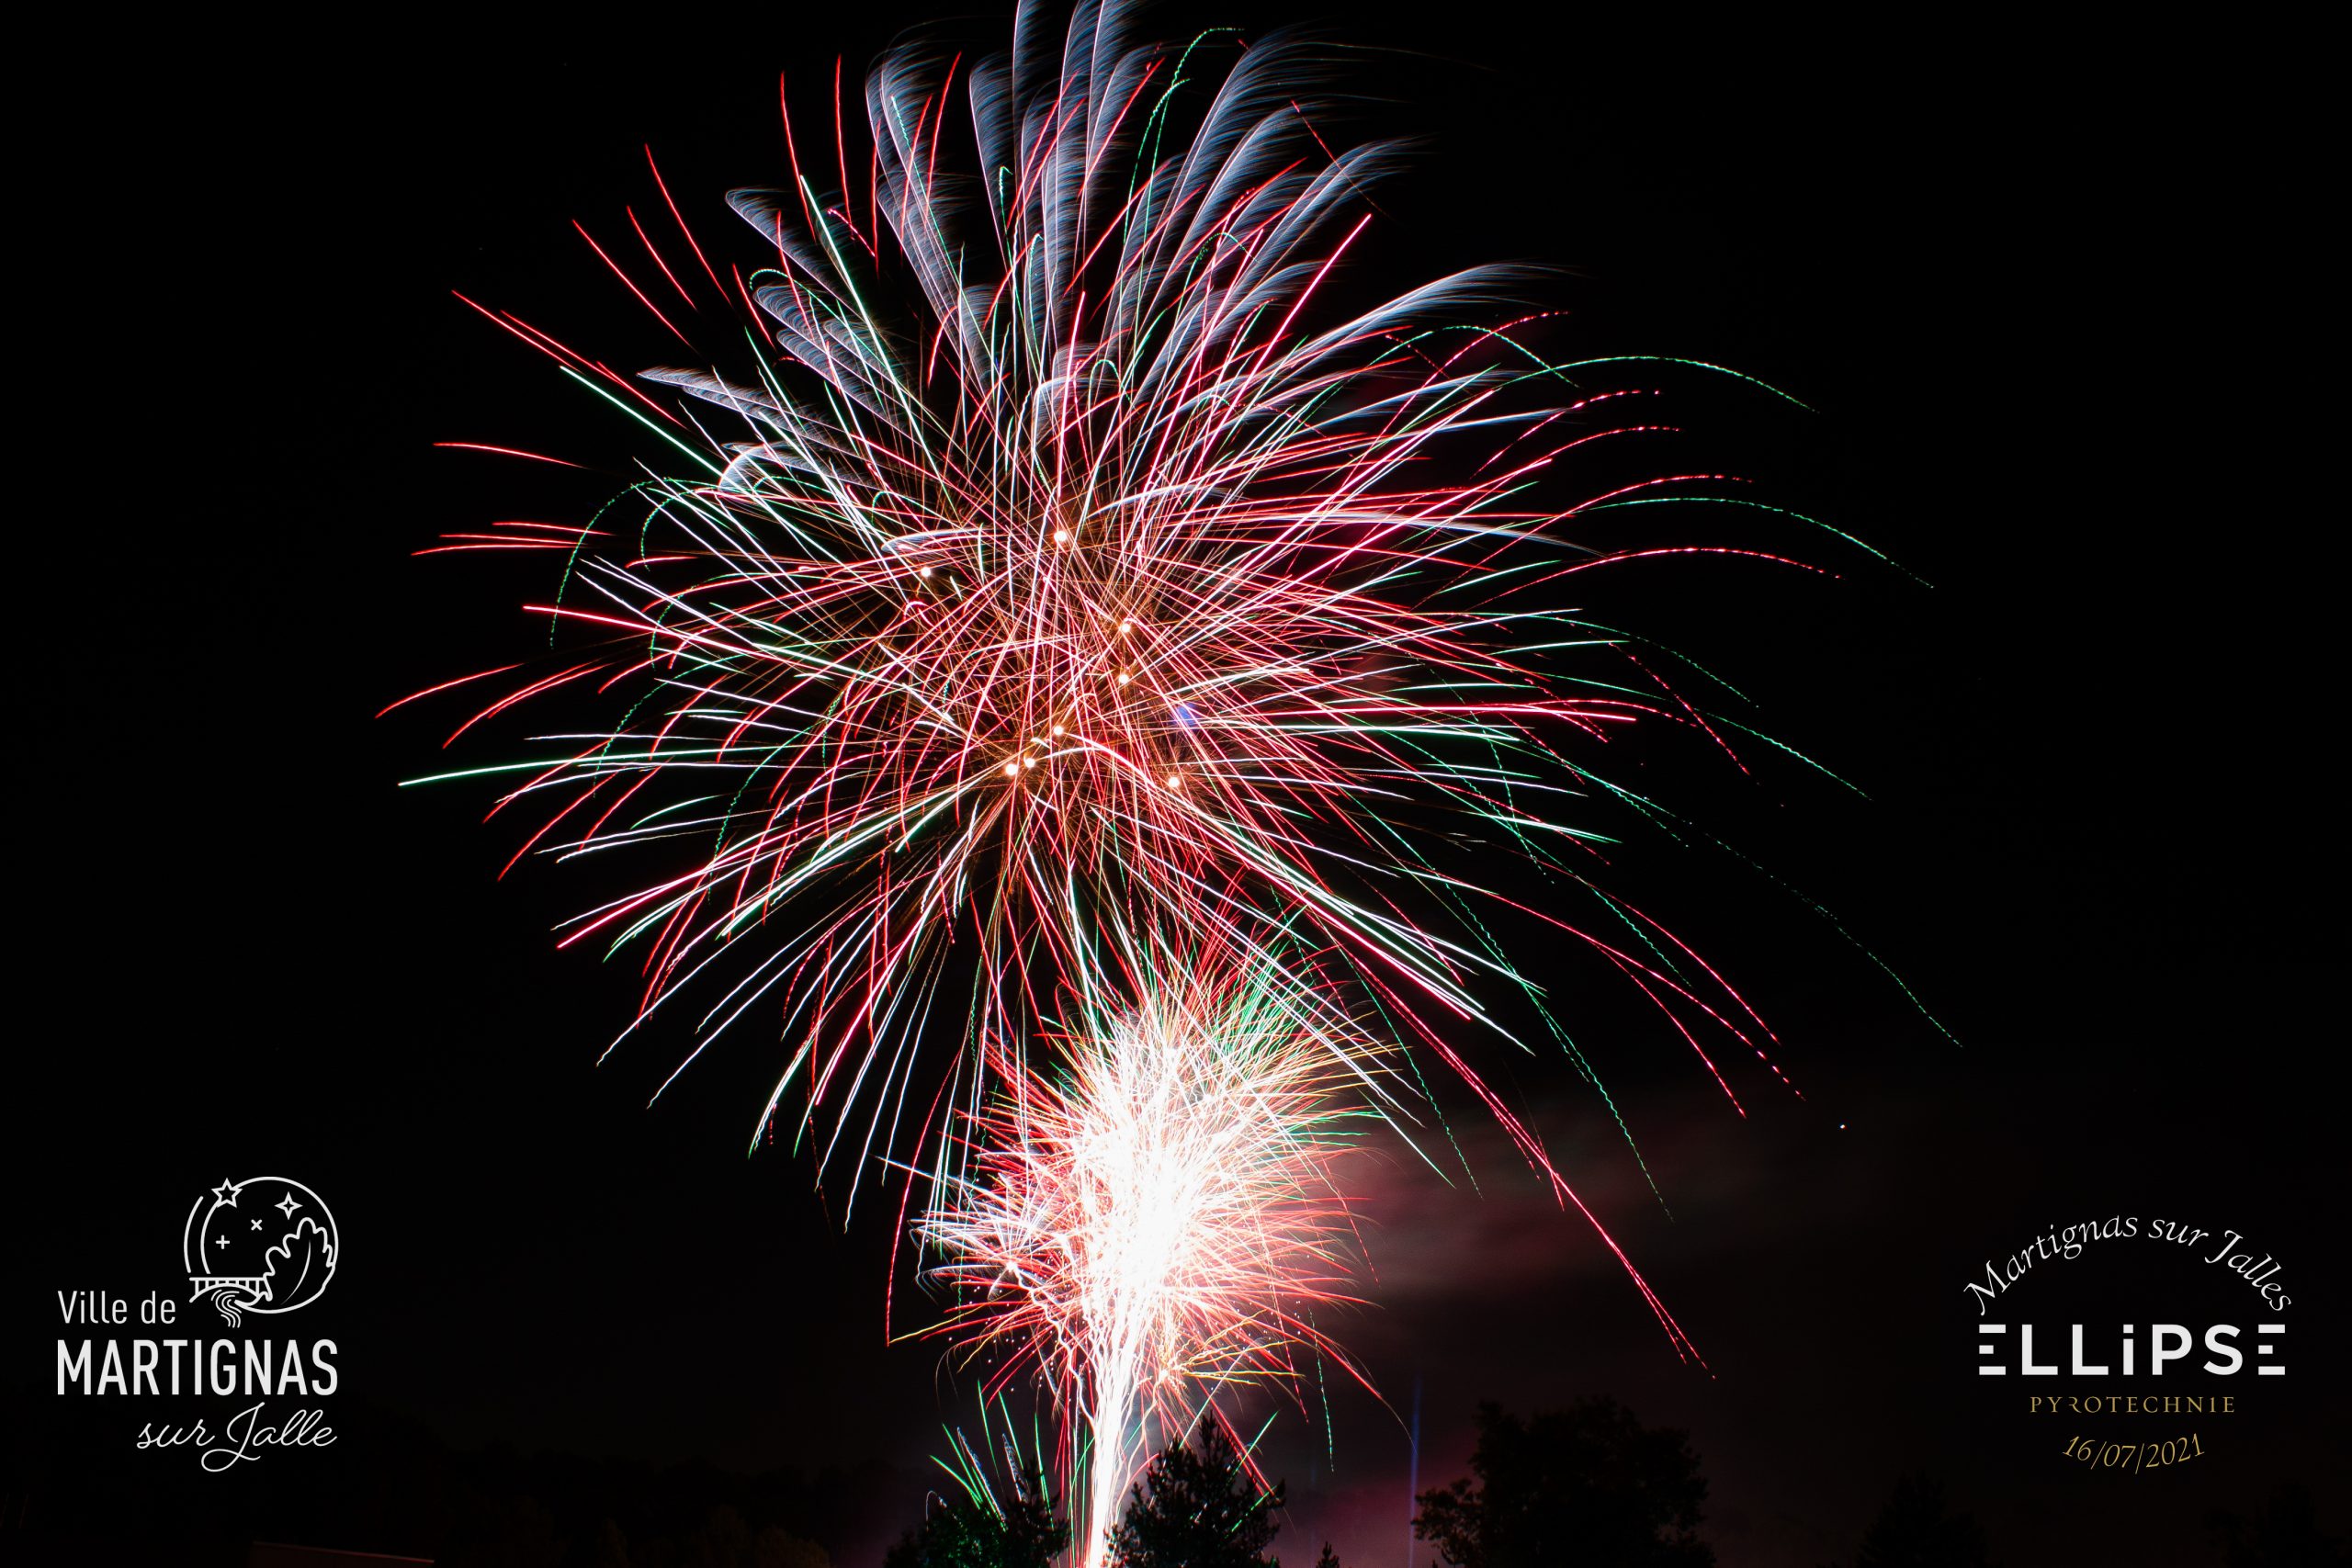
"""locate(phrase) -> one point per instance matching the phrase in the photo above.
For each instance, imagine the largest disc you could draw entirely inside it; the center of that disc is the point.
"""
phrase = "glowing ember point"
(1124, 677)
(923, 572)
(1175, 781)
(1011, 769)
(1061, 536)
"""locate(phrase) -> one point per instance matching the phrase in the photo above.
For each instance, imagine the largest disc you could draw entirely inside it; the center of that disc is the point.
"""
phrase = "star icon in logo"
(288, 1205)
(226, 1193)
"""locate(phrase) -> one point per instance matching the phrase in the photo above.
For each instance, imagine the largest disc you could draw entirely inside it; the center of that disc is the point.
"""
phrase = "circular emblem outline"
(237, 1294)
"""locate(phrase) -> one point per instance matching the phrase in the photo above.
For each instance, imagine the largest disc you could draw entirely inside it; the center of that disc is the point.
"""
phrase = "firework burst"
(1058, 603)
(1068, 563)
(1160, 1220)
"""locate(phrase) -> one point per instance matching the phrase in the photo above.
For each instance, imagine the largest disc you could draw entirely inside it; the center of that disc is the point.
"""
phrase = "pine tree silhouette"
(1197, 1509)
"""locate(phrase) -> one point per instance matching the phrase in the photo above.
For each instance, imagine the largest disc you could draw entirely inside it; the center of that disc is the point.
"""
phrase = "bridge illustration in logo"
(256, 1289)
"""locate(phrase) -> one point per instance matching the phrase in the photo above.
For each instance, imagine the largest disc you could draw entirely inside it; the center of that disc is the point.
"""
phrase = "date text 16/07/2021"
(2136, 1457)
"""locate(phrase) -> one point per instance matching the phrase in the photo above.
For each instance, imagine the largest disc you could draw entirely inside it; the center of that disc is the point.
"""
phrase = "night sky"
(2051, 298)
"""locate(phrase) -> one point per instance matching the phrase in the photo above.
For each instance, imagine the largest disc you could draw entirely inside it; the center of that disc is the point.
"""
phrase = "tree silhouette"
(1197, 1510)
(1327, 1557)
(1587, 1485)
(1914, 1531)
(776, 1547)
(724, 1541)
(965, 1532)
(2286, 1535)
(610, 1549)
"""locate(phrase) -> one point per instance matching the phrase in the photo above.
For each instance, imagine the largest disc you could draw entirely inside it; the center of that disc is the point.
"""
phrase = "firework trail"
(1158, 1220)
(1001, 1507)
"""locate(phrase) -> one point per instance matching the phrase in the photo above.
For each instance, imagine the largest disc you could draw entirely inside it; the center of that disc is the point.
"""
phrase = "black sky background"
(2052, 294)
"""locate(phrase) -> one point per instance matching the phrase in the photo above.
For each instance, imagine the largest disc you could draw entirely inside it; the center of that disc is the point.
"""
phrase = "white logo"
(262, 1245)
